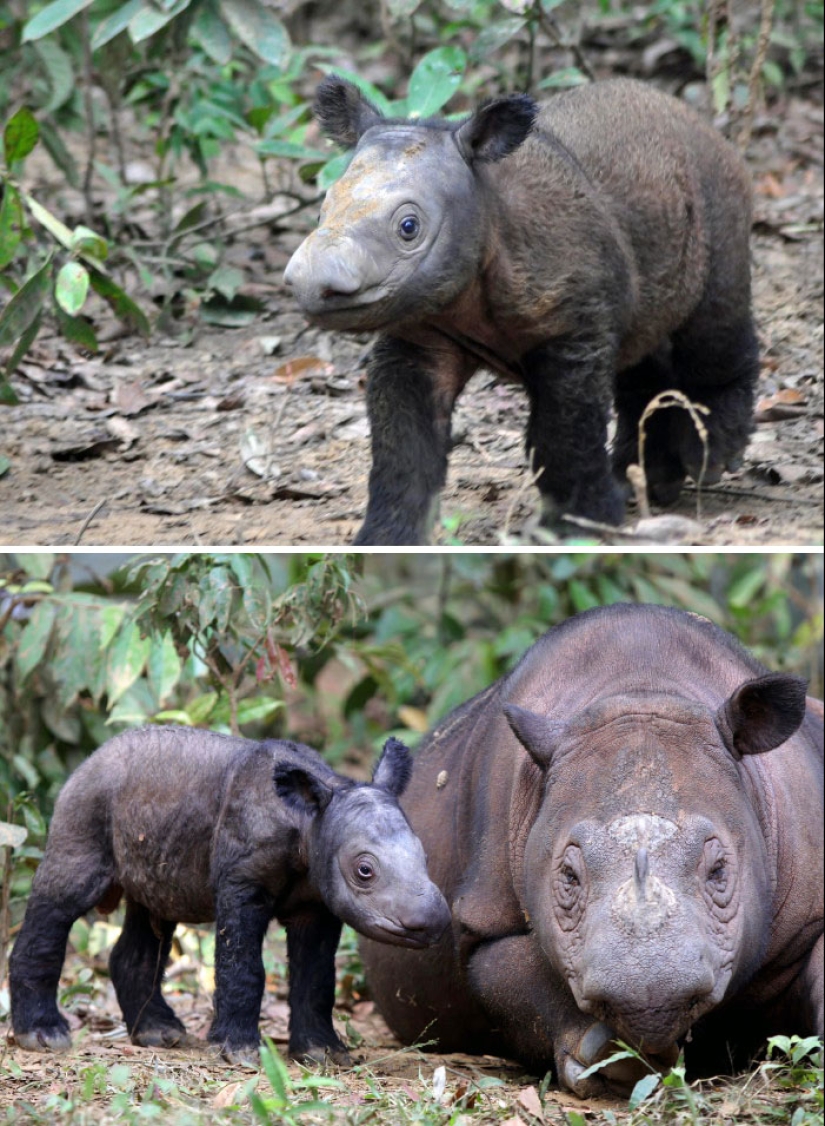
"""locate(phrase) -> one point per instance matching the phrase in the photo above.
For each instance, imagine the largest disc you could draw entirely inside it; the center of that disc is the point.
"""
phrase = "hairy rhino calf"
(629, 830)
(192, 826)
(593, 249)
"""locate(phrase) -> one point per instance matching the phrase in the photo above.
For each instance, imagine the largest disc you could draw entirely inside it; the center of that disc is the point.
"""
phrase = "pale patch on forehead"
(642, 830)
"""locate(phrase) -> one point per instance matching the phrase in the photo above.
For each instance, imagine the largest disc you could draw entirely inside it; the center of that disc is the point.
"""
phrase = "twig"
(552, 29)
(664, 401)
(100, 504)
(762, 43)
(89, 110)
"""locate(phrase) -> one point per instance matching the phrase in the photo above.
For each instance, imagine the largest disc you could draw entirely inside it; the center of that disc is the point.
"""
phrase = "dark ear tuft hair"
(497, 128)
(342, 111)
(394, 768)
(301, 790)
(762, 713)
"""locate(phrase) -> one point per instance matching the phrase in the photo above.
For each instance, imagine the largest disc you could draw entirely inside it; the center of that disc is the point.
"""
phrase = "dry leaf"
(227, 1096)
(304, 367)
(529, 1099)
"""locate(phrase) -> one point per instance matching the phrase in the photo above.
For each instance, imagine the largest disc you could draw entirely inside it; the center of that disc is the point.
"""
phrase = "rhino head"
(645, 872)
(364, 859)
(402, 232)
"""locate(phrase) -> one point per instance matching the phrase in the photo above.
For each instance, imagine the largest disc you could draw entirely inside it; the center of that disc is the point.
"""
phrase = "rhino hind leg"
(716, 365)
(137, 963)
(39, 950)
(636, 387)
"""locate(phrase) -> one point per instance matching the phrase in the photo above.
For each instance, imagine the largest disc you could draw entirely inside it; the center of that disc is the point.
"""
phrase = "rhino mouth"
(654, 1031)
(394, 933)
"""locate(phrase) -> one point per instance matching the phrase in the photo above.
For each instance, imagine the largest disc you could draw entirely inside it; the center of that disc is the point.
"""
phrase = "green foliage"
(58, 277)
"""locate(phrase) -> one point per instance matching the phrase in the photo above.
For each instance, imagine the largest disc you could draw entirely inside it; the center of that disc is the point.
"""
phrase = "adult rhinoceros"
(629, 830)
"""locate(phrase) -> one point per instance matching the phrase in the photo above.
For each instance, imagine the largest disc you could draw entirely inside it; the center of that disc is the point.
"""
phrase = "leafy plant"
(61, 277)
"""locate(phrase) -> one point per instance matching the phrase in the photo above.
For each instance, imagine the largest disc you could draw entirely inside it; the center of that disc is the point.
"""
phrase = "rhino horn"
(762, 713)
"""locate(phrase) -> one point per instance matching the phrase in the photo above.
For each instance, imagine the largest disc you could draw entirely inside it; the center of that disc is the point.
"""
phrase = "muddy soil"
(258, 435)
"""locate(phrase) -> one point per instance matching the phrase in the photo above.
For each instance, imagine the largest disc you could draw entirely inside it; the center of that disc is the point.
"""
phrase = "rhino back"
(643, 165)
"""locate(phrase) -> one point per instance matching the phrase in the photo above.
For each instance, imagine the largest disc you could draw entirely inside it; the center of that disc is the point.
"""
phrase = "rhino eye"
(365, 871)
(409, 227)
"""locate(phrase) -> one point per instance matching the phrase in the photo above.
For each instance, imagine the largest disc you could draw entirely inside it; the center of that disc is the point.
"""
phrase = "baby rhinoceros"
(193, 826)
(594, 249)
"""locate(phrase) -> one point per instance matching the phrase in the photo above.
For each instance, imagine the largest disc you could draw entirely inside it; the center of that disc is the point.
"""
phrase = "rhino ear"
(393, 770)
(342, 111)
(538, 734)
(496, 129)
(762, 713)
(301, 790)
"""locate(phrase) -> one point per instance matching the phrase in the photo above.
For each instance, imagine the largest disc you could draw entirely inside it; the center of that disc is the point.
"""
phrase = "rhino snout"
(322, 272)
(651, 1013)
(419, 921)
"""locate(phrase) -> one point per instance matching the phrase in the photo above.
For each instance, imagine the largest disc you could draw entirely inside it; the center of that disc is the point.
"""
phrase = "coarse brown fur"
(595, 249)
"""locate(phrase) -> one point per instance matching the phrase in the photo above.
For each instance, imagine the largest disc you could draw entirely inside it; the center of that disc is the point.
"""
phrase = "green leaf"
(594, 1067)
(52, 224)
(34, 639)
(226, 280)
(211, 33)
(53, 143)
(333, 170)
(117, 22)
(89, 243)
(77, 330)
(37, 565)
(25, 307)
(148, 21)
(11, 224)
(495, 35)
(200, 709)
(127, 659)
(566, 76)
(434, 80)
(20, 135)
(258, 709)
(21, 348)
(164, 666)
(643, 1089)
(124, 307)
(743, 591)
(401, 8)
(58, 66)
(52, 16)
(5, 466)
(258, 29)
(275, 1071)
(72, 287)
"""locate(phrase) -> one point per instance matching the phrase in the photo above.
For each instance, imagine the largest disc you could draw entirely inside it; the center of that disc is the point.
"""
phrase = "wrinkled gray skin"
(594, 249)
(192, 826)
(629, 831)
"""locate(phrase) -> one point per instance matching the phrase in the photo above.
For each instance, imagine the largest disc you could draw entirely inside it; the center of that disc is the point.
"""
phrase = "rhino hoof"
(44, 1040)
(324, 1054)
(163, 1036)
(242, 1057)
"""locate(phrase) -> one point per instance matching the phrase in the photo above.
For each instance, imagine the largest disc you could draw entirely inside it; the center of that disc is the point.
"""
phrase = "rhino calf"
(193, 826)
(594, 249)
(628, 828)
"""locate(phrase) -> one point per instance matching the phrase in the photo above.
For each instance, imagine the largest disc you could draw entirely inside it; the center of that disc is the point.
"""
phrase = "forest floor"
(258, 435)
(105, 1079)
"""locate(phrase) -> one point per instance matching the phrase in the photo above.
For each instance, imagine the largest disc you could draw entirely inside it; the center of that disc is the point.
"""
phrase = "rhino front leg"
(311, 942)
(538, 1020)
(411, 391)
(242, 915)
(569, 387)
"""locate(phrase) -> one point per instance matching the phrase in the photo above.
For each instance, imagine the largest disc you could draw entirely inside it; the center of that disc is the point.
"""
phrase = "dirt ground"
(258, 436)
(100, 1038)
